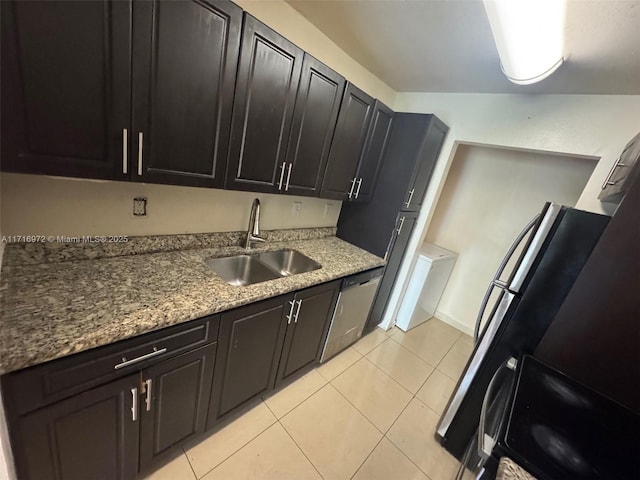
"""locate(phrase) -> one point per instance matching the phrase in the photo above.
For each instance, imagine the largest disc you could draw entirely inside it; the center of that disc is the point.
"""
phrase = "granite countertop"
(53, 309)
(510, 470)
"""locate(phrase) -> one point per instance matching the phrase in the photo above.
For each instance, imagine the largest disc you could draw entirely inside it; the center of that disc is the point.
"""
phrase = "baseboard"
(454, 323)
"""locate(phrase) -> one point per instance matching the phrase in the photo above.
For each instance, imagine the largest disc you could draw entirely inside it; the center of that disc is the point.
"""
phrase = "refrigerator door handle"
(477, 357)
(496, 282)
(485, 441)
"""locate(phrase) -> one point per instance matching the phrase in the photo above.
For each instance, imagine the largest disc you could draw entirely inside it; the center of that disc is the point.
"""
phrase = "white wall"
(39, 205)
(591, 125)
(490, 194)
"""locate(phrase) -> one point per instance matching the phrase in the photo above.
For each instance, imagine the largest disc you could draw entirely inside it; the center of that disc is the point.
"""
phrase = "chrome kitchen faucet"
(253, 232)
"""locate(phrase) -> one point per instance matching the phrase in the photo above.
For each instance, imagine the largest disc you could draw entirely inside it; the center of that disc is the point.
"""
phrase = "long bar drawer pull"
(126, 363)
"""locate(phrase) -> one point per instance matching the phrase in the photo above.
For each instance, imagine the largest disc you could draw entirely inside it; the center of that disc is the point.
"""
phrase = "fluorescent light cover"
(529, 35)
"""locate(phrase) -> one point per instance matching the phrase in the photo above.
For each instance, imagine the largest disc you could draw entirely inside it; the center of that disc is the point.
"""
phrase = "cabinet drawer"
(43, 384)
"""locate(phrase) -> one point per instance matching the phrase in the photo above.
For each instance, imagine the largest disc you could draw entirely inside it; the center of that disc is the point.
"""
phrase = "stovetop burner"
(560, 449)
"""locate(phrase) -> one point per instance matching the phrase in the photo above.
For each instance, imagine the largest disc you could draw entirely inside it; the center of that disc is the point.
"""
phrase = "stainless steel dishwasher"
(352, 310)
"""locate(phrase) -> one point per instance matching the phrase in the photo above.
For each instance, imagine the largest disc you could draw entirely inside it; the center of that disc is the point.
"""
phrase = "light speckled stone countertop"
(510, 470)
(50, 310)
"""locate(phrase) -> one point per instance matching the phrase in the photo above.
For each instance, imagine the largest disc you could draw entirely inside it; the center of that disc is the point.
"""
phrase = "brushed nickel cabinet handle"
(408, 202)
(147, 399)
(286, 188)
(290, 316)
(359, 185)
(284, 164)
(126, 363)
(298, 311)
(134, 404)
(140, 140)
(353, 184)
(125, 144)
(401, 224)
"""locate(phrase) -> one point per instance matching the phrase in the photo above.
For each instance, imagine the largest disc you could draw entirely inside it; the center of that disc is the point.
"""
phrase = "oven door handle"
(485, 441)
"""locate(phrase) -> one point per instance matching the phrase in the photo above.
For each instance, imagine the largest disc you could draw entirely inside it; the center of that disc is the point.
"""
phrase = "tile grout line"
(393, 379)
(357, 409)
(190, 466)
(399, 449)
(300, 448)
(330, 382)
(239, 448)
(302, 401)
(367, 458)
(405, 456)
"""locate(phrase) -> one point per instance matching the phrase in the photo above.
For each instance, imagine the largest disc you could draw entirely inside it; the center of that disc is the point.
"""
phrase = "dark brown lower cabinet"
(174, 402)
(250, 342)
(307, 328)
(129, 425)
(93, 435)
(264, 343)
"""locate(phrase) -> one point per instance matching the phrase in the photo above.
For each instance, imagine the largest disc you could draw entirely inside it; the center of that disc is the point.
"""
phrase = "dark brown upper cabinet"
(66, 70)
(427, 156)
(185, 56)
(67, 89)
(268, 76)
(373, 152)
(314, 121)
(351, 131)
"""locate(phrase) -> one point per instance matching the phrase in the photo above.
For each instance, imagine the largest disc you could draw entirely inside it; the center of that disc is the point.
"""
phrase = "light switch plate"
(295, 211)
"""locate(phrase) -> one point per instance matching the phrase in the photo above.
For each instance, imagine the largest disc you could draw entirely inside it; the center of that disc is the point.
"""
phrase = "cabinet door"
(348, 141)
(314, 121)
(174, 402)
(373, 152)
(623, 173)
(66, 87)
(249, 346)
(404, 228)
(91, 435)
(307, 328)
(268, 77)
(184, 69)
(432, 143)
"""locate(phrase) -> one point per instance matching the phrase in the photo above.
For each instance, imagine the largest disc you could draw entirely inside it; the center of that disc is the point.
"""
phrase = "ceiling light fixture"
(529, 35)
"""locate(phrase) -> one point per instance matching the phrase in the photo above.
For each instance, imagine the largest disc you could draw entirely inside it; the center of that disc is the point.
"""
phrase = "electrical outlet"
(140, 206)
(295, 211)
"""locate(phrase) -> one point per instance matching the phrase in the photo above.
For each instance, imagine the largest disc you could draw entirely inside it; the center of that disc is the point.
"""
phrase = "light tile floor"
(370, 413)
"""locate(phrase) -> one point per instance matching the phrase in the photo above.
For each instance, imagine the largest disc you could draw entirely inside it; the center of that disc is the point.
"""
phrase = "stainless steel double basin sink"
(241, 270)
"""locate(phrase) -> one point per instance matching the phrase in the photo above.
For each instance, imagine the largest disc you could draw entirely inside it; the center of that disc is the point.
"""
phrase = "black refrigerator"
(557, 244)
(383, 226)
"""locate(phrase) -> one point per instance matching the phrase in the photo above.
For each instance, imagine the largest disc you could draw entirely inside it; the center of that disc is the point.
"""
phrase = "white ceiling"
(447, 45)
